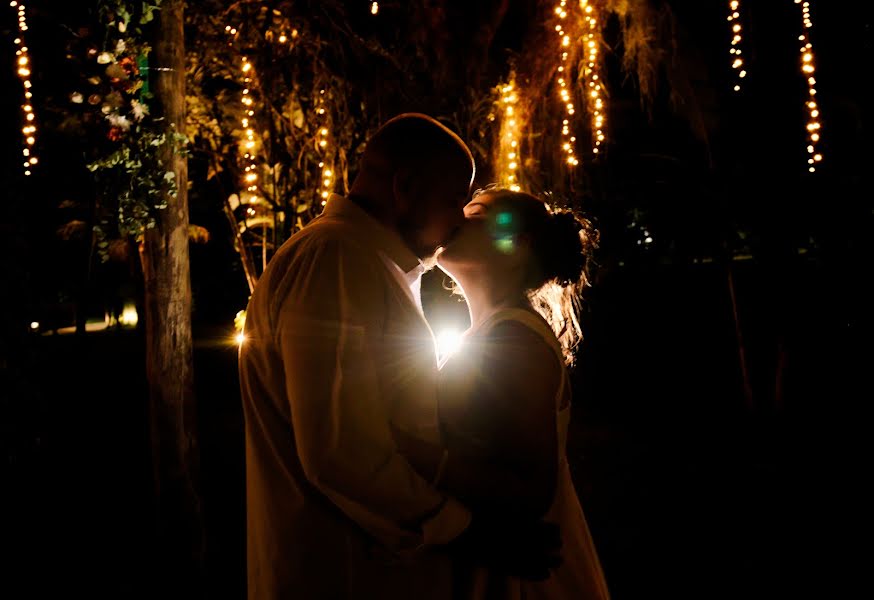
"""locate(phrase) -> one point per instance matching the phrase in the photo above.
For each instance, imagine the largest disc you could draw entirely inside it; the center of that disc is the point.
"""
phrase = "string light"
(737, 63)
(808, 68)
(510, 157)
(568, 140)
(374, 8)
(592, 82)
(248, 144)
(326, 185)
(591, 77)
(24, 70)
(251, 169)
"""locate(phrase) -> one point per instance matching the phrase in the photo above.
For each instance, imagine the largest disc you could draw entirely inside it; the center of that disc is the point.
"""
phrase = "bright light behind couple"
(448, 341)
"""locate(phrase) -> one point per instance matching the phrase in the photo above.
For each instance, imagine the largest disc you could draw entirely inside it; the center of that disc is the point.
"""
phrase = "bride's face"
(485, 242)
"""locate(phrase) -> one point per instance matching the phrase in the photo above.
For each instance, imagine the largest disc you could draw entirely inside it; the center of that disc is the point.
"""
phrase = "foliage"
(316, 67)
(297, 91)
(129, 162)
(330, 66)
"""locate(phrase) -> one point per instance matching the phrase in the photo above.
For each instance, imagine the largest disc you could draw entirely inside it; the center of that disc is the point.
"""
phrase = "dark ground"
(690, 491)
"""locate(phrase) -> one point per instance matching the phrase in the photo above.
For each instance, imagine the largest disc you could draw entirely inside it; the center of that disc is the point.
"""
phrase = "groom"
(338, 352)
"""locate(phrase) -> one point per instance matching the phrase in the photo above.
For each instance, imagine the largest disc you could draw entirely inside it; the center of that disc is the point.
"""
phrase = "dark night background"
(693, 488)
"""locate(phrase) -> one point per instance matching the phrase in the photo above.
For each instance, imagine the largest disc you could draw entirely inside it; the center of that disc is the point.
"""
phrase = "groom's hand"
(524, 549)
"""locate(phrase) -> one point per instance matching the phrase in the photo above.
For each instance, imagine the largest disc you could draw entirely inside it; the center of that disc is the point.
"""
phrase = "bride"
(505, 397)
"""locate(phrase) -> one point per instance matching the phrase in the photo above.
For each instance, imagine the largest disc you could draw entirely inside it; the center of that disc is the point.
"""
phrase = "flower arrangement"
(131, 168)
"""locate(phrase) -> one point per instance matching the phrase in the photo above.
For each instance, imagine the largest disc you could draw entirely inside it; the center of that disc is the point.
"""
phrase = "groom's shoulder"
(323, 237)
(334, 232)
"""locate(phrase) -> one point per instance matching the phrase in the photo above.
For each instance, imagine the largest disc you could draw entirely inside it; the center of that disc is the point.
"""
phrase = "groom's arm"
(325, 321)
(480, 479)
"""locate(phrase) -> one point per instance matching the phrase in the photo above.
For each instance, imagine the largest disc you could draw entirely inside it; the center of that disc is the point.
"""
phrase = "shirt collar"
(386, 240)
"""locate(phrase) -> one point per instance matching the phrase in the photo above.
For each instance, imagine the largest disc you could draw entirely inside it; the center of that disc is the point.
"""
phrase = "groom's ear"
(402, 187)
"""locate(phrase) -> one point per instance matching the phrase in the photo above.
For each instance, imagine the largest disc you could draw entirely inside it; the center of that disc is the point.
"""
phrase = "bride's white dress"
(580, 576)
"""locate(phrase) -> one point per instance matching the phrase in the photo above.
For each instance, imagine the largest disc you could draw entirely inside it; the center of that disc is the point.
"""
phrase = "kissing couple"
(375, 470)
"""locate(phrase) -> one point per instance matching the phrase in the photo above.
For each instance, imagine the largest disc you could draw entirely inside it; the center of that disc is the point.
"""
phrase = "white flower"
(119, 121)
(139, 109)
(104, 58)
(120, 47)
(76, 98)
(121, 26)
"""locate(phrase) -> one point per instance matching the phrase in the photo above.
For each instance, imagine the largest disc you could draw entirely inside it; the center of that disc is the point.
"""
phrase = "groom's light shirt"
(336, 349)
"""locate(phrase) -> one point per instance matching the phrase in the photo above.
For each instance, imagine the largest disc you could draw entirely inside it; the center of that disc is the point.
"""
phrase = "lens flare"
(448, 342)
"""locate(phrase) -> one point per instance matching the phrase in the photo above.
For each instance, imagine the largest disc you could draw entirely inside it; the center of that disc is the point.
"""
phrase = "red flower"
(114, 134)
(129, 65)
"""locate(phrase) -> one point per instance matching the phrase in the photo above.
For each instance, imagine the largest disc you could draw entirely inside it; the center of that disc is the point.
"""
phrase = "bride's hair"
(562, 245)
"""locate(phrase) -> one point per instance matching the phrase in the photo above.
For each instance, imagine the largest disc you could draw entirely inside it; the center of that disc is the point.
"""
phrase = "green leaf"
(148, 13)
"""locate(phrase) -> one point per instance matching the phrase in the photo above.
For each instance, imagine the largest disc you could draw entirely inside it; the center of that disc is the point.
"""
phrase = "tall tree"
(166, 269)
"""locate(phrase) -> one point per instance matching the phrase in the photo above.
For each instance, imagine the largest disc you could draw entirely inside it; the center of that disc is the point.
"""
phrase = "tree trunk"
(166, 272)
(741, 348)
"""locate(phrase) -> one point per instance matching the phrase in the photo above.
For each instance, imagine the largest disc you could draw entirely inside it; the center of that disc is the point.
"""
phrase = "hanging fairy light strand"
(737, 64)
(568, 140)
(251, 169)
(593, 83)
(509, 144)
(24, 70)
(326, 185)
(248, 144)
(808, 68)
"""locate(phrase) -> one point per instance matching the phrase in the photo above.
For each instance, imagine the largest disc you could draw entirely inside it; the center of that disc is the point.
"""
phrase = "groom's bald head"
(415, 176)
(415, 141)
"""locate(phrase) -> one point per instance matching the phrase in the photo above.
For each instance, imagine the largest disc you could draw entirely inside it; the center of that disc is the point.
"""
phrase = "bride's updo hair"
(562, 245)
(559, 250)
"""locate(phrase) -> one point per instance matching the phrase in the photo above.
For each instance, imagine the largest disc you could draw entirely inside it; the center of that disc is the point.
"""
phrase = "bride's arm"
(502, 453)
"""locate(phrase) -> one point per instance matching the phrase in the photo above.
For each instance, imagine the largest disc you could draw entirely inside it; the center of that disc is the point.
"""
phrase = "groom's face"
(435, 209)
